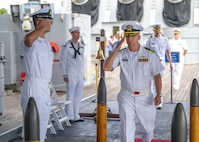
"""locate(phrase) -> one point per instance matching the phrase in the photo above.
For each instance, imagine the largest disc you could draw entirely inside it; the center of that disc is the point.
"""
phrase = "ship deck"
(12, 118)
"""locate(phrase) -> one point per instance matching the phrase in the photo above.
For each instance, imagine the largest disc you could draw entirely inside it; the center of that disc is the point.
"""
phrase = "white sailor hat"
(43, 13)
(75, 28)
(176, 30)
(156, 27)
(131, 29)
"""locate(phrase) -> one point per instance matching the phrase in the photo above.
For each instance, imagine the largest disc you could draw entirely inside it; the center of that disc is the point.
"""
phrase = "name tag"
(125, 59)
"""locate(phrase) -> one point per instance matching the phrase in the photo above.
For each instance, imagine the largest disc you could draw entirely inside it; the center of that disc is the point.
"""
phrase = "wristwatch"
(159, 95)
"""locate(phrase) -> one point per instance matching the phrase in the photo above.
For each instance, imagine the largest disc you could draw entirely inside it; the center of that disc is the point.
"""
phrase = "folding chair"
(57, 109)
(51, 127)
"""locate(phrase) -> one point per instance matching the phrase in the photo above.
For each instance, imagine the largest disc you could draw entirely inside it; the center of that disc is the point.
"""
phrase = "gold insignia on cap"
(129, 31)
(176, 31)
(156, 27)
(129, 28)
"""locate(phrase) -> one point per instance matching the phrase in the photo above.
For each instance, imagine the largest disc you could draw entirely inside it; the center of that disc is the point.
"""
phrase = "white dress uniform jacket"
(38, 63)
(135, 97)
(72, 66)
(178, 46)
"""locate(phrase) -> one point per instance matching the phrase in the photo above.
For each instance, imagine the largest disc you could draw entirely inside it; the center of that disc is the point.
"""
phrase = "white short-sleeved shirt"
(39, 59)
(137, 68)
(159, 45)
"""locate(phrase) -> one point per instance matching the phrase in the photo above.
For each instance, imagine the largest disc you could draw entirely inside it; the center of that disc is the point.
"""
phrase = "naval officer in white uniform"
(159, 44)
(138, 66)
(72, 67)
(38, 58)
(178, 45)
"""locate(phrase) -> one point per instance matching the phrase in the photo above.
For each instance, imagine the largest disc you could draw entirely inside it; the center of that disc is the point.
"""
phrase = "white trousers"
(39, 89)
(74, 93)
(176, 74)
(143, 107)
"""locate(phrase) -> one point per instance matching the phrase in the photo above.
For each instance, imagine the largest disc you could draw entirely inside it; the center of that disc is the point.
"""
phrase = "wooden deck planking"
(190, 72)
(12, 117)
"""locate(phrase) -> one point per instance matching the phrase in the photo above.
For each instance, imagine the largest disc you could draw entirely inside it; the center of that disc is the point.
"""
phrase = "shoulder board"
(153, 51)
(163, 35)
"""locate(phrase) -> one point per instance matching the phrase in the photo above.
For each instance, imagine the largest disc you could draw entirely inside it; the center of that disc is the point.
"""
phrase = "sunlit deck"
(12, 118)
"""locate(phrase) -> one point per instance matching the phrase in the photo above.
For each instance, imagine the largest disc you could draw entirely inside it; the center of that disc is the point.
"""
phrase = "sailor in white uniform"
(72, 67)
(160, 45)
(138, 66)
(38, 58)
(178, 45)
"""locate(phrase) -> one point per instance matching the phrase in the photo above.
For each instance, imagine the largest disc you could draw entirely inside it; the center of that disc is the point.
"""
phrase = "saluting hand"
(44, 24)
(119, 45)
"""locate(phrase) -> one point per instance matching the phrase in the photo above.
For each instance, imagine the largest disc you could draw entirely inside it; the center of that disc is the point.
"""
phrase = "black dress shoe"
(79, 120)
(71, 121)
